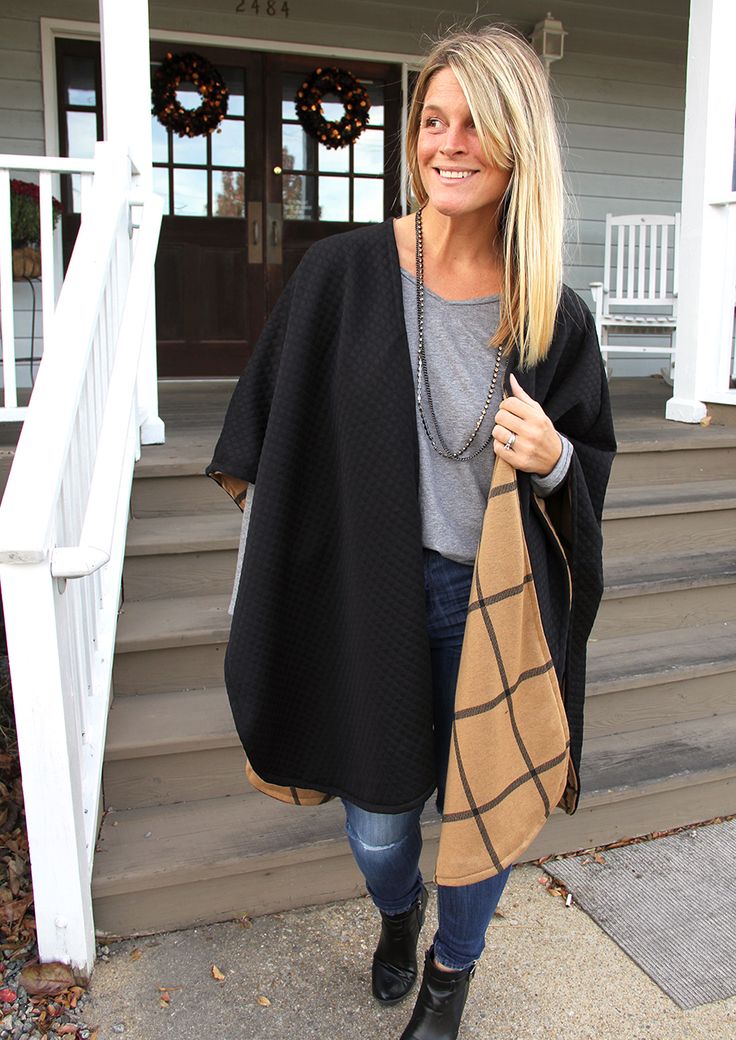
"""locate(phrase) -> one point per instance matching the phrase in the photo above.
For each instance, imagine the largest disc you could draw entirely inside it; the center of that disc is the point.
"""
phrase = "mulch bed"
(36, 1000)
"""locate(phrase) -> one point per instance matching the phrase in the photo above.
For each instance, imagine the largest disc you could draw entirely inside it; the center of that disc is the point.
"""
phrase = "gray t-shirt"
(452, 495)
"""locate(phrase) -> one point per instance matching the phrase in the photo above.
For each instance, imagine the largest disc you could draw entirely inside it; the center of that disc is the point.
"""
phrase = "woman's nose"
(455, 141)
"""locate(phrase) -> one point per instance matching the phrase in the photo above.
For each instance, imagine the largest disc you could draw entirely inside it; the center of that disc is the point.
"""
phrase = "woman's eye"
(432, 122)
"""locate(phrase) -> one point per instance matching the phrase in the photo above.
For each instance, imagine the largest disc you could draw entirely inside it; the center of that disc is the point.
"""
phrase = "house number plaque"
(271, 8)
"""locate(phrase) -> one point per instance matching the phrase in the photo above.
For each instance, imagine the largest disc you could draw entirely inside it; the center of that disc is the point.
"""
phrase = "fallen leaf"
(598, 858)
(264, 1001)
(217, 974)
(136, 954)
(67, 1030)
(46, 979)
(8, 996)
(706, 420)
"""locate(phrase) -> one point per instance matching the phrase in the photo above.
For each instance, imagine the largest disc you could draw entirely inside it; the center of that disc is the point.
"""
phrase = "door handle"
(253, 233)
(275, 233)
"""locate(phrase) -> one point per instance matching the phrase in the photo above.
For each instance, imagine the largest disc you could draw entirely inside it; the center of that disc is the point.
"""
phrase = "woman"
(384, 545)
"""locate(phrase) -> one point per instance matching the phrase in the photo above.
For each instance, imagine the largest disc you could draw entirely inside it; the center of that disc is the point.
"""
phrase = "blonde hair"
(507, 92)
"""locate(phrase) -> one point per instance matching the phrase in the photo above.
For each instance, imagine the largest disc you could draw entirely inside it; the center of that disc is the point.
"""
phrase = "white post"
(710, 104)
(49, 741)
(126, 88)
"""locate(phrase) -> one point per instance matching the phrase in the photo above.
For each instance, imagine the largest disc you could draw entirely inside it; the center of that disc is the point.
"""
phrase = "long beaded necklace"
(442, 449)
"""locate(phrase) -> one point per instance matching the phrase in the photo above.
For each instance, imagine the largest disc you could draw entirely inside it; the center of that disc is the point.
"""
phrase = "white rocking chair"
(638, 294)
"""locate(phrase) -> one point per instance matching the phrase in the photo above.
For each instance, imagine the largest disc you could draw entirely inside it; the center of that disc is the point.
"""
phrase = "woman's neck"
(464, 242)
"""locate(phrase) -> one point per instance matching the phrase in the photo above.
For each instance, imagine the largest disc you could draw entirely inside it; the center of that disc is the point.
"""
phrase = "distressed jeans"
(386, 846)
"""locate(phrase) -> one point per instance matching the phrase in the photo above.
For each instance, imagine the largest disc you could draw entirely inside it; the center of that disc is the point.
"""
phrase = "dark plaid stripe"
(479, 709)
(502, 489)
(474, 809)
(295, 796)
(498, 597)
(512, 716)
(466, 814)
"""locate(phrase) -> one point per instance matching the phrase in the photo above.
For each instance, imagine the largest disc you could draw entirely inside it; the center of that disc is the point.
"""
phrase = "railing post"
(126, 79)
(710, 104)
(50, 750)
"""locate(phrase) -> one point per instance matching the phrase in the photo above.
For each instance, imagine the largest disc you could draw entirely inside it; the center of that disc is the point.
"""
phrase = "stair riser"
(335, 876)
(656, 612)
(642, 468)
(165, 779)
(161, 671)
(194, 775)
(180, 574)
(178, 496)
(672, 532)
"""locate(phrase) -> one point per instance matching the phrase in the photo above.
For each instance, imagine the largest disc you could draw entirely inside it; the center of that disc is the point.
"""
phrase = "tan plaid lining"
(509, 762)
(509, 753)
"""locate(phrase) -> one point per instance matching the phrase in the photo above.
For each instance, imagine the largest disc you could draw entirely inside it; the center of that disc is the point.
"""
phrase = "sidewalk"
(548, 973)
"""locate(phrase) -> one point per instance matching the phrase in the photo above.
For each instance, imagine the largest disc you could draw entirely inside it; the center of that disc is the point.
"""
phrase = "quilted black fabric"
(327, 668)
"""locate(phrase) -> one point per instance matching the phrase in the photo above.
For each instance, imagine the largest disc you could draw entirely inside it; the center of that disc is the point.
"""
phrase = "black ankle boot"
(440, 1003)
(395, 960)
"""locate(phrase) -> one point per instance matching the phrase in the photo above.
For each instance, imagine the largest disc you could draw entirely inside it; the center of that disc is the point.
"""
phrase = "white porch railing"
(62, 535)
(46, 169)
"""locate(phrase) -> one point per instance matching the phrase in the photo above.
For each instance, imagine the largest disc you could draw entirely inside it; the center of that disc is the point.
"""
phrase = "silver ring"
(510, 442)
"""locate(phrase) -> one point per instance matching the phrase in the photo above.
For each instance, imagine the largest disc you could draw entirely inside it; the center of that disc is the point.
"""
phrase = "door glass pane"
(234, 81)
(298, 196)
(334, 198)
(368, 200)
(293, 147)
(228, 193)
(161, 186)
(190, 151)
(160, 138)
(228, 143)
(368, 152)
(188, 96)
(190, 193)
(333, 160)
(79, 76)
(82, 133)
(375, 93)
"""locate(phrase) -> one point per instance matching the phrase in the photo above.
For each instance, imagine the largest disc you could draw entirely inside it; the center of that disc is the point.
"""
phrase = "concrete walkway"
(548, 972)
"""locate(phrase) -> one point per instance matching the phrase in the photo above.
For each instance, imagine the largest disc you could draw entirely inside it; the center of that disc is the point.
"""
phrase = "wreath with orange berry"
(189, 68)
(354, 97)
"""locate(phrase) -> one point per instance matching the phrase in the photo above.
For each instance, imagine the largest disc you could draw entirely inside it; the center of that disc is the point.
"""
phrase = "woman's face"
(457, 177)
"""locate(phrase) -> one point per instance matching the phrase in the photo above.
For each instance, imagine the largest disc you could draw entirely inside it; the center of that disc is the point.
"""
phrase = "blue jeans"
(386, 846)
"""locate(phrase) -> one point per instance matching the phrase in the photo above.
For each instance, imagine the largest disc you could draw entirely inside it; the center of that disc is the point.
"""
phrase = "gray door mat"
(670, 903)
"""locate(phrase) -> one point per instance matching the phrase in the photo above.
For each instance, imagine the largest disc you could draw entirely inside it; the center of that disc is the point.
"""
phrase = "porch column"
(704, 296)
(126, 92)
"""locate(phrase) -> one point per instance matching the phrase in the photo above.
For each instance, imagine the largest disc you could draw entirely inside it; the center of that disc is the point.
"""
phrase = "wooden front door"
(243, 205)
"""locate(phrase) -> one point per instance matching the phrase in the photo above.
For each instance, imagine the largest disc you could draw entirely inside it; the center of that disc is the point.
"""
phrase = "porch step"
(168, 867)
(182, 746)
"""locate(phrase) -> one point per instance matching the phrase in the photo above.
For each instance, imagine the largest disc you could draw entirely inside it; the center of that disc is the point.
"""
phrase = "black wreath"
(308, 102)
(192, 68)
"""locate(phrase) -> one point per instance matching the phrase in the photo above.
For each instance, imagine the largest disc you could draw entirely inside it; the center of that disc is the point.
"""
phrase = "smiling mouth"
(454, 175)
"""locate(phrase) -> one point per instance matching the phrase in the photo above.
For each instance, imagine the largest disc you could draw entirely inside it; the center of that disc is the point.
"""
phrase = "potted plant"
(25, 228)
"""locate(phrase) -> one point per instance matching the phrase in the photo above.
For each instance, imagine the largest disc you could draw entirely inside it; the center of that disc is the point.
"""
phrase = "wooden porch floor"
(193, 411)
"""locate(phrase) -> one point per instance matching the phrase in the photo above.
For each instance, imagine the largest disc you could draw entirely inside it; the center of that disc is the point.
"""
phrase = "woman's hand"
(536, 445)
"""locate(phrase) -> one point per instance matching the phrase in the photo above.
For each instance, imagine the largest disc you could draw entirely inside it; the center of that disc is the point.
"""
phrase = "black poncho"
(327, 669)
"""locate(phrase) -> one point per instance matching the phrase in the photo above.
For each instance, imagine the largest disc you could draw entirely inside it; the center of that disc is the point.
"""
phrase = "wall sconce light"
(548, 40)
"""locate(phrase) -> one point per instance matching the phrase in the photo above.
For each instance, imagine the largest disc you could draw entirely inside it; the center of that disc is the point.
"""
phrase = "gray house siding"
(620, 89)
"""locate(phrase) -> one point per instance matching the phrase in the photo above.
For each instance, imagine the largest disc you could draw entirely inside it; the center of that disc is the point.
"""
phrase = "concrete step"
(182, 745)
(175, 866)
